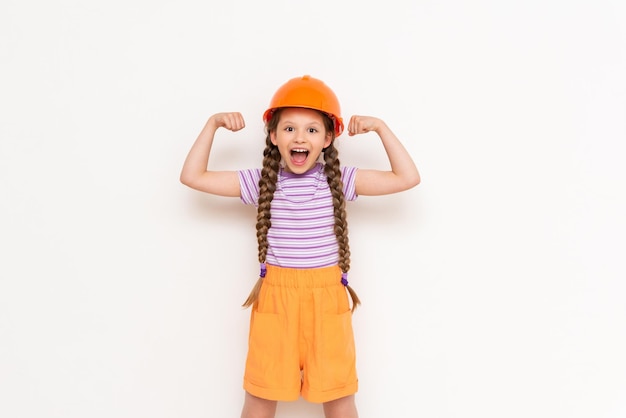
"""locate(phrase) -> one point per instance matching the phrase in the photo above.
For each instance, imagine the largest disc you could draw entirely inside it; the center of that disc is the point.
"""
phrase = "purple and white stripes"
(302, 233)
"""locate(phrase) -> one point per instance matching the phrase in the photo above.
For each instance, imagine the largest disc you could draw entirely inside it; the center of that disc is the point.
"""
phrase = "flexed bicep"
(195, 173)
(403, 173)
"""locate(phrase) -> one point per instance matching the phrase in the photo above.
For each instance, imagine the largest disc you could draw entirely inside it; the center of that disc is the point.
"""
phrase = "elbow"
(413, 181)
(186, 179)
(416, 180)
(405, 182)
(183, 179)
(410, 178)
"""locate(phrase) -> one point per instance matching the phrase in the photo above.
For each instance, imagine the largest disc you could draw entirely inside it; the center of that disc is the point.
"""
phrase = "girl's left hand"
(363, 124)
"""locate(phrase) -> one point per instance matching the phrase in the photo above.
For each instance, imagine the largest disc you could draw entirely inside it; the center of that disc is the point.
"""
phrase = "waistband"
(303, 278)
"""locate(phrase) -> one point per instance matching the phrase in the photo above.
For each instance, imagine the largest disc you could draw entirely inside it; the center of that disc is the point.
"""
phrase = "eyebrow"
(310, 123)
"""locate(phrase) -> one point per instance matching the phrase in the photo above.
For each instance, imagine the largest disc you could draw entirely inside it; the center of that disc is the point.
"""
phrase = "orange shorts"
(301, 340)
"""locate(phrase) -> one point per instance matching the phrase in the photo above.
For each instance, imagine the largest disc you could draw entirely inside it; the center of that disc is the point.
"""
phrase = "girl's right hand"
(233, 121)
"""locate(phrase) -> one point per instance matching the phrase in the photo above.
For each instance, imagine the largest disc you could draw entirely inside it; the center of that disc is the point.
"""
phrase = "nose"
(300, 136)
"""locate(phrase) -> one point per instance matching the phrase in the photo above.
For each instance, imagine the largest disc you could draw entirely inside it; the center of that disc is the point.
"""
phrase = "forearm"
(402, 165)
(198, 157)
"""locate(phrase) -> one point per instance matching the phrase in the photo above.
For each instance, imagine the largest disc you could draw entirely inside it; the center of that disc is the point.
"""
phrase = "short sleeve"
(348, 177)
(249, 183)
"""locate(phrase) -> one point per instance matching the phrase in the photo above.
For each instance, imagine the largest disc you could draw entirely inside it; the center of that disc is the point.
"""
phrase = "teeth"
(298, 150)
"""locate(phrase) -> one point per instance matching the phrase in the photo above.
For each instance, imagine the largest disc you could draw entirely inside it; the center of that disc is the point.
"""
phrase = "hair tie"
(263, 270)
(344, 279)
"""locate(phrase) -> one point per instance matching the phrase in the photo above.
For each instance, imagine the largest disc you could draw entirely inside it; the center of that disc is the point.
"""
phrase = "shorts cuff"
(330, 395)
(285, 395)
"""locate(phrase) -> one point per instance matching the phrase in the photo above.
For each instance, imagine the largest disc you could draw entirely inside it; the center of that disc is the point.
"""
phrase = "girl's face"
(300, 137)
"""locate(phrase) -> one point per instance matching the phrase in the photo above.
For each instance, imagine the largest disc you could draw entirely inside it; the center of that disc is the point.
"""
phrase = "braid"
(267, 187)
(333, 173)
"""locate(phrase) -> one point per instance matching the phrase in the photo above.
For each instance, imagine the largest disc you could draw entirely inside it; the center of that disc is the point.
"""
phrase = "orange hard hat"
(310, 93)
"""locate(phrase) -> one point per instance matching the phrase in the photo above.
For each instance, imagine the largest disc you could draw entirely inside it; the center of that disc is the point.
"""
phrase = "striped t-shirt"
(302, 232)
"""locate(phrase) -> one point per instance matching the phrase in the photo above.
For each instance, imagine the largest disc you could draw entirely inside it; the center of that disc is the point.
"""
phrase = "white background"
(493, 289)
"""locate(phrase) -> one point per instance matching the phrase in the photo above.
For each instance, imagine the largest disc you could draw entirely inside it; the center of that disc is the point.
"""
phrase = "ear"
(273, 137)
(329, 139)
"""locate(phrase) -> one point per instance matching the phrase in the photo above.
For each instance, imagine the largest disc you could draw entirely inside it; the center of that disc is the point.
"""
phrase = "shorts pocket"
(264, 347)
(338, 350)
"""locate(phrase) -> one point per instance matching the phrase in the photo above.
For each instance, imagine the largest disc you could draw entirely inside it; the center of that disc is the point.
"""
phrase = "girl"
(301, 341)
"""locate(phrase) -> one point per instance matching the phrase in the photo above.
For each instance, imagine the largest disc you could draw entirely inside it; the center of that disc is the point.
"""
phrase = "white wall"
(494, 289)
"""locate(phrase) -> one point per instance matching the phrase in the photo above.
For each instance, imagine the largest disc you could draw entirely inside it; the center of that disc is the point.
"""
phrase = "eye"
(312, 130)
(289, 129)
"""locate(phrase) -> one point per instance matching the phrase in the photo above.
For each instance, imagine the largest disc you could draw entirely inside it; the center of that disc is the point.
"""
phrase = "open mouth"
(299, 156)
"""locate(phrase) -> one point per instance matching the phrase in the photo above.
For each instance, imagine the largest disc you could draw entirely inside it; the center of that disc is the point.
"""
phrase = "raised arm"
(403, 174)
(195, 173)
